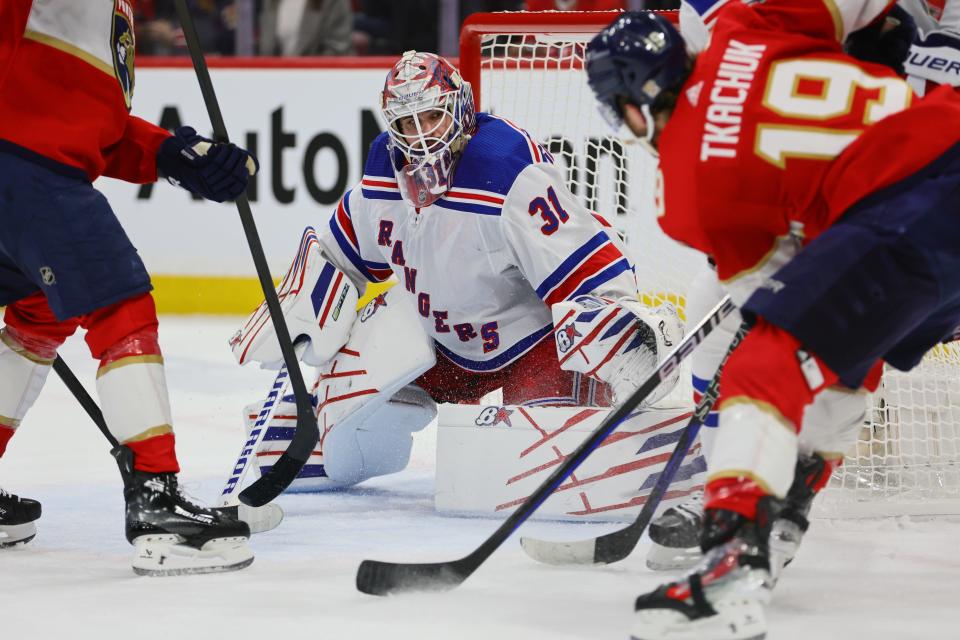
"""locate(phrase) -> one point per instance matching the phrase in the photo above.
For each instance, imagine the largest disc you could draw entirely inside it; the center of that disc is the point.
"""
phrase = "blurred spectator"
(306, 28)
(390, 27)
(474, 6)
(595, 5)
(159, 32)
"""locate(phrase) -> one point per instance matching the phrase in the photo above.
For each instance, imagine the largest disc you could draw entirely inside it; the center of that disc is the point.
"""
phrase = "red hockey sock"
(734, 494)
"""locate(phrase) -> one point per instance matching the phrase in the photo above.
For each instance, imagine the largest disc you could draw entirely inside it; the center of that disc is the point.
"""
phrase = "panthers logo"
(123, 44)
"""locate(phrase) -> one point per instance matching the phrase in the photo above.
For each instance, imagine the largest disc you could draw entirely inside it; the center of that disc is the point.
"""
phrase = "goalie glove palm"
(618, 342)
(319, 304)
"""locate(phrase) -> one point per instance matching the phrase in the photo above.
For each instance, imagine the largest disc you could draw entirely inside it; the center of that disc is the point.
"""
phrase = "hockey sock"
(25, 362)
(131, 382)
(768, 382)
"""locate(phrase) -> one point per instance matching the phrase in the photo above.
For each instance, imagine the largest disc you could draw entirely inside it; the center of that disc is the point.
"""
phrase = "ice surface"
(891, 579)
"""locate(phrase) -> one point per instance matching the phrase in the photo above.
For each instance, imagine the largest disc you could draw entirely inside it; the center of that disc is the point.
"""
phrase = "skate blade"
(661, 558)
(259, 519)
(12, 535)
(165, 555)
(737, 618)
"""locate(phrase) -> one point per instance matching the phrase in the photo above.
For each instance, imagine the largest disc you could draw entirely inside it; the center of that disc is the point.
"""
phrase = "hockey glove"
(934, 60)
(886, 41)
(213, 170)
(616, 341)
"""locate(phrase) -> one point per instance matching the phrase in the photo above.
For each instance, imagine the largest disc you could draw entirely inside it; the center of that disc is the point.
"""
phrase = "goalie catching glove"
(618, 342)
(318, 303)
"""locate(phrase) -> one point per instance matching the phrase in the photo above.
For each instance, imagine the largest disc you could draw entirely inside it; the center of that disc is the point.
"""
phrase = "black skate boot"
(173, 535)
(724, 596)
(17, 517)
(675, 536)
(792, 522)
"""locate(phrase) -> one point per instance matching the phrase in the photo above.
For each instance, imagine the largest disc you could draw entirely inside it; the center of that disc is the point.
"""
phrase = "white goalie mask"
(430, 115)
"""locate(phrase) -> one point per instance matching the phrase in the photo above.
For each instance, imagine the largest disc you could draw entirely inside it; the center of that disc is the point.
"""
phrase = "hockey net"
(528, 67)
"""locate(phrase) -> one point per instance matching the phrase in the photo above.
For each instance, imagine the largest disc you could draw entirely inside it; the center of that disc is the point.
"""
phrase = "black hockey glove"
(886, 41)
(214, 170)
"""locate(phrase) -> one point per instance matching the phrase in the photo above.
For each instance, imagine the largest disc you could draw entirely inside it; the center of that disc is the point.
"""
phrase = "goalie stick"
(380, 578)
(306, 433)
(617, 545)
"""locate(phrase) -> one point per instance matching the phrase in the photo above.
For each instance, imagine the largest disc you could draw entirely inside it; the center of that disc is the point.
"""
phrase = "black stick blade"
(272, 483)
(381, 578)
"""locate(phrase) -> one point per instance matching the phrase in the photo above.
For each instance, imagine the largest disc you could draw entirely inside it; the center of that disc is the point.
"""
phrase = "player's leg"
(766, 389)
(71, 246)
(28, 346)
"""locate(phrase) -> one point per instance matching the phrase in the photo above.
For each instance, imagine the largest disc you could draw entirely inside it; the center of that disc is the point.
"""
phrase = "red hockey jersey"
(778, 131)
(66, 82)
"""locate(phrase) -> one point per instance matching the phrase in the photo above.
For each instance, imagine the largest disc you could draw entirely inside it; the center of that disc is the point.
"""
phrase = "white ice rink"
(894, 579)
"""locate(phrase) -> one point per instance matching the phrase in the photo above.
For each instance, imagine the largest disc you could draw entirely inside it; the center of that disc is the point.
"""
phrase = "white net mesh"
(908, 458)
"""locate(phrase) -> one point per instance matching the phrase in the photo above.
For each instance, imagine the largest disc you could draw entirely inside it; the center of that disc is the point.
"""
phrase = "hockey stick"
(306, 434)
(249, 450)
(617, 545)
(80, 393)
(259, 519)
(379, 578)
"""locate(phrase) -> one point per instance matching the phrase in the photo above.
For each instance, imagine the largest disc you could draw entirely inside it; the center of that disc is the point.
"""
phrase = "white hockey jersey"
(484, 262)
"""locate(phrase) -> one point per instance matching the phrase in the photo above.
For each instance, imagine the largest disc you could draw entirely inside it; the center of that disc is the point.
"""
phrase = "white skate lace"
(189, 499)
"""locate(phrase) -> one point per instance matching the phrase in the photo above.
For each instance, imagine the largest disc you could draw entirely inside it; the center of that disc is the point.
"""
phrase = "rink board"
(490, 458)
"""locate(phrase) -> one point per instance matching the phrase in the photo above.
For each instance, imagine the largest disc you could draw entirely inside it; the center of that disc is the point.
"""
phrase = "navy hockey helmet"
(637, 57)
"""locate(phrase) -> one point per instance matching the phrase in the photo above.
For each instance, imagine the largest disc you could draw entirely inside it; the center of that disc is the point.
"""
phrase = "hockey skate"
(174, 536)
(675, 536)
(792, 521)
(724, 597)
(17, 518)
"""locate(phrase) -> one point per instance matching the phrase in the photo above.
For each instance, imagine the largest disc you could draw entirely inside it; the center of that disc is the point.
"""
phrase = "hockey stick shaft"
(306, 434)
(248, 452)
(80, 393)
(378, 578)
(617, 545)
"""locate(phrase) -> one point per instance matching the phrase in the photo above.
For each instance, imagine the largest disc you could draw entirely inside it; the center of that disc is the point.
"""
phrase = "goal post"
(528, 67)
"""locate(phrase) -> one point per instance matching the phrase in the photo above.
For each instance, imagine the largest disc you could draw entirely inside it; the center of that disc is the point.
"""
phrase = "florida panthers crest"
(123, 44)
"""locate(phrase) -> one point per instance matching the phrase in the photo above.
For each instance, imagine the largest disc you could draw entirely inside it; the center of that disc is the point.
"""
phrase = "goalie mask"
(430, 115)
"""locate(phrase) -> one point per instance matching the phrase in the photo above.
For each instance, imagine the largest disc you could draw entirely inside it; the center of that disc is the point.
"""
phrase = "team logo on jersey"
(123, 44)
(566, 336)
(372, 306)
(492, 416)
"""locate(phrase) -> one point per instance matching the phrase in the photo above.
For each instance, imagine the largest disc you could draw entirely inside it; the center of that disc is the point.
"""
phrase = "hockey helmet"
(430, 115)
(638, 57)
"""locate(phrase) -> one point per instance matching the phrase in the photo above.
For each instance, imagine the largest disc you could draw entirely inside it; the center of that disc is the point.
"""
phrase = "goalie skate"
(17, 516)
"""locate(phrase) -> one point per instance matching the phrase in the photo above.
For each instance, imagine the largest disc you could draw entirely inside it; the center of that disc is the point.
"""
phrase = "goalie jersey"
(484, 262)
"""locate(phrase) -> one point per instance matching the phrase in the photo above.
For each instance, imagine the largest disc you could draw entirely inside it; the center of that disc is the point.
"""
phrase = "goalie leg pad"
(166, 555)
